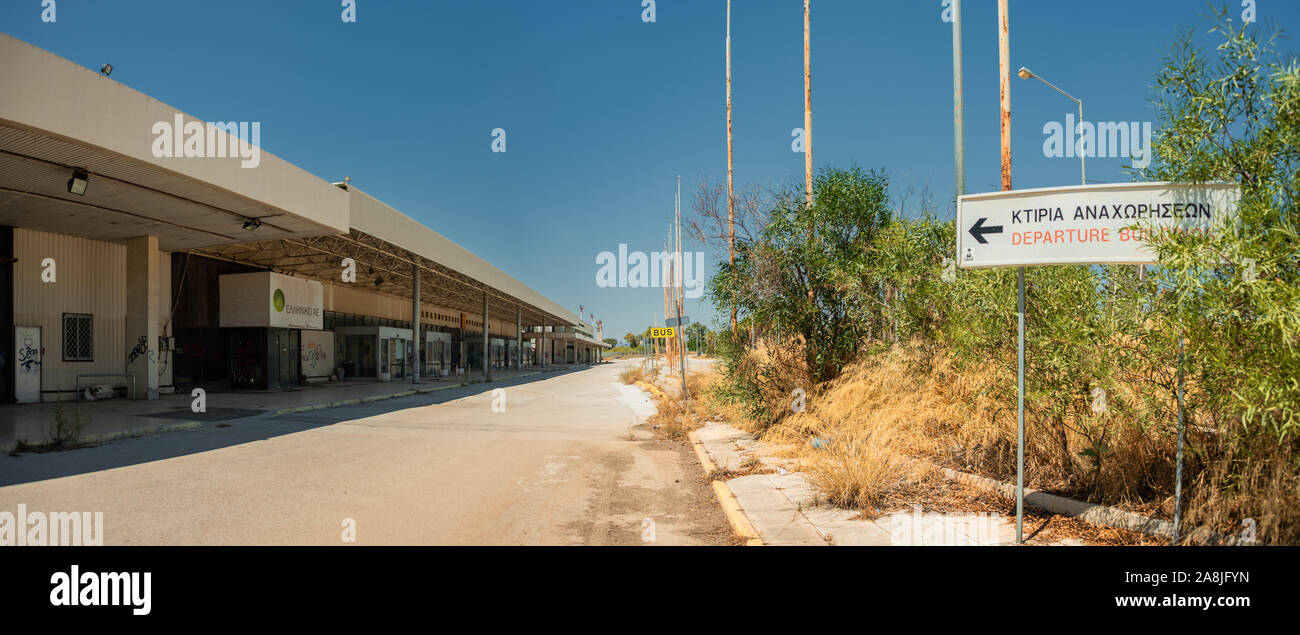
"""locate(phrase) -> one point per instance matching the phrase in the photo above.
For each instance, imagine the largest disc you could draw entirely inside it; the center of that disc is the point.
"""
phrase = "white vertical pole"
(415, 326)
(1020, 407)
(731, 192)
(958, 102)
(1178, 478)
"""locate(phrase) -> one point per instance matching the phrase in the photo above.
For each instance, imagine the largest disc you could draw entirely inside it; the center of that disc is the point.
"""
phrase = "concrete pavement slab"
(110, 419)
(778, 520)
(555, 466)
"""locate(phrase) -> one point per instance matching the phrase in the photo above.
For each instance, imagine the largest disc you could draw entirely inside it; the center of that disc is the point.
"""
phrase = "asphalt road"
(566, 463)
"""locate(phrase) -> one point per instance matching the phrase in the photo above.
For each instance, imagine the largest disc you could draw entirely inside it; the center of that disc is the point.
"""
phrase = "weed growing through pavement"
(67, 429)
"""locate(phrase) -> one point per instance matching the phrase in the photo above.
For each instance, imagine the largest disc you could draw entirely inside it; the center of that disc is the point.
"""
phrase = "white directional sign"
(1094, 224)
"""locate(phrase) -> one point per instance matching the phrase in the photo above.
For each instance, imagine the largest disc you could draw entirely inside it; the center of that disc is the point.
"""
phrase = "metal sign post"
(651, 352)
(682, 355)
(667, 332)
(679, 323)
(1020, 405)
(1082, 225)
(1178, 478)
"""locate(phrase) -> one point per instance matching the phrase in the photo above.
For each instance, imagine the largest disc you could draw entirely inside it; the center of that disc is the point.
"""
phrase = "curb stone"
(735, 515)
(1091, 513)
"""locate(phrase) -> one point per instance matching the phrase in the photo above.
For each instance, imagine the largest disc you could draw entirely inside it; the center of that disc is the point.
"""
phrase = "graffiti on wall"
(141, 348)
(29, 359)
(313, 352)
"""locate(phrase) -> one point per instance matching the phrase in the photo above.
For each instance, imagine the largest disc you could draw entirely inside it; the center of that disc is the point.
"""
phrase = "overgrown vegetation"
(65, 434)
(675, 418)
(850, 303)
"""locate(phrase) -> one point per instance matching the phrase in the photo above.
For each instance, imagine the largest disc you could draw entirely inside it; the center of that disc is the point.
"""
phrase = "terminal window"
(78, 337)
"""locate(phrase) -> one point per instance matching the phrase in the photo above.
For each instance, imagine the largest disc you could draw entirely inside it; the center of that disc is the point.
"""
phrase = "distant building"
(120, 263)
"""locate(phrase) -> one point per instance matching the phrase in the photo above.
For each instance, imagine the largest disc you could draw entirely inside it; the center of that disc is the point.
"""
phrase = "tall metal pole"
(417, 358)
(807, 104)
(668, 290)
(807, 123)
(731, 192)
(1178, 477)
(1004, 68)
(958, 103)
(678, 300)
(1020, 406)
(1004, 71)
(680, 293)
(1083, 159)
(487, 376)
(685, 397)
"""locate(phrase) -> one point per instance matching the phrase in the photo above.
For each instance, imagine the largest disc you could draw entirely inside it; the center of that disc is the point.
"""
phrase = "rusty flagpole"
(1004, 78)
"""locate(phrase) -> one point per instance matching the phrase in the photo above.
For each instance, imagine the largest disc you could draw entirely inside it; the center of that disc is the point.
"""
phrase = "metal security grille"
(78, 337)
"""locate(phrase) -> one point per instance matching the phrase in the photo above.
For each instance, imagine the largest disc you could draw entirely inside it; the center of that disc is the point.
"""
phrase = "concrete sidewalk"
(785, 510)
(121, 417)
(782, 506)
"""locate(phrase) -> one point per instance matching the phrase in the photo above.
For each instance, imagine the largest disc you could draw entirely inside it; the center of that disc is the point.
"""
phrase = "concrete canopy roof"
(56, 116)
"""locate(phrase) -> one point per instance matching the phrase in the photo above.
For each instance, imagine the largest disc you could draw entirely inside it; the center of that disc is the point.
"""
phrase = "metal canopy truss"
(321, 258)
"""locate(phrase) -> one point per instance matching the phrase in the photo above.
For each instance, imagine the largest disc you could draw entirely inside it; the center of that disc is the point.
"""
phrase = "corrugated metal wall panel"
(90, 278)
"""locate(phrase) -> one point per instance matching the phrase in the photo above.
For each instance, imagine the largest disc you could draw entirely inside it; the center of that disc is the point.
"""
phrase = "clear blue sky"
(602, 111)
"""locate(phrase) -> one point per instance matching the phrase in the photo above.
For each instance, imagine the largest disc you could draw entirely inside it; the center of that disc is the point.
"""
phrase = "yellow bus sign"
(663, 331)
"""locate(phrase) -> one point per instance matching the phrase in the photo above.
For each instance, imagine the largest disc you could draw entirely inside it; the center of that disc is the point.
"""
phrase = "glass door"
(285, 343)
(397, 350)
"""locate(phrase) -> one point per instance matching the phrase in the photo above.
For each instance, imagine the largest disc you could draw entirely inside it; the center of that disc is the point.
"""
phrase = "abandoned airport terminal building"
(155, 274)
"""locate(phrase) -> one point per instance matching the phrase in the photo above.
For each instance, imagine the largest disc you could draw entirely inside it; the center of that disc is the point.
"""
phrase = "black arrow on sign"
(979, 230)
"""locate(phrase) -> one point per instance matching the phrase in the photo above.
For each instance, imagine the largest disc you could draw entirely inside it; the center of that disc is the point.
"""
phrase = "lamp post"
(1028, 74)
(958, 106)
(1025, 73)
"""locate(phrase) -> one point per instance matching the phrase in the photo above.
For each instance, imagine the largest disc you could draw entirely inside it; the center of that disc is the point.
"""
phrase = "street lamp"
(1028, 74)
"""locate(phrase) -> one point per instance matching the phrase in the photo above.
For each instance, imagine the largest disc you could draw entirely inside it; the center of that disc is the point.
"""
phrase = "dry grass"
(861, 466)
(858, 435)
(896, 407)
(675, 418)
(1041, 527)
(1264, 490)
(635, 374)
(902, 405)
